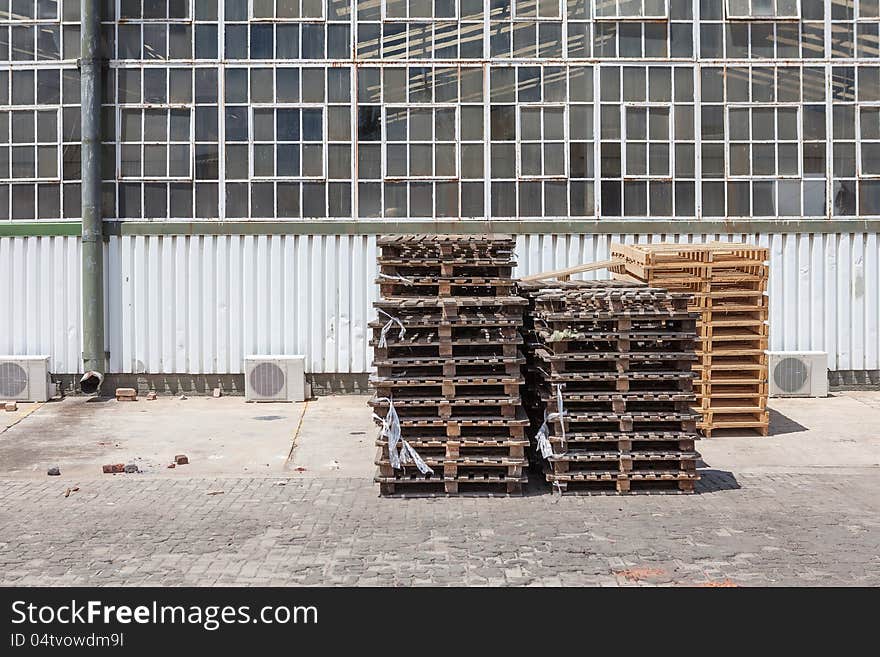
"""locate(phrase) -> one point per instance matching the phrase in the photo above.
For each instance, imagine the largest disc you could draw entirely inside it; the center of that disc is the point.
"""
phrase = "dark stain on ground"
(269, 418)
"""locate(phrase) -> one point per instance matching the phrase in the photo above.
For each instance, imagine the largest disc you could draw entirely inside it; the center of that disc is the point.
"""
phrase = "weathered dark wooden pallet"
(446, 303)
(419, 486)
(624, 381)
(462, 286)
(447, 334)
(453, 448)
(454, 422)
(440, 268)
(623, 445)
(451, 367)
(563, 348)
(455, 468)
(615, 362)
(620, 464)
(599, 422)
(412, 409)
(466, 432)
(446, 238)
(473, 317)
(401, 388)
(623, 487)
(440, 350)
(620, 406)
(616, 475)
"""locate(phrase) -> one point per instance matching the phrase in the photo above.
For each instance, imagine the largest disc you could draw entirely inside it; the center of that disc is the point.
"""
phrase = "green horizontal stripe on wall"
(40, 229)
(559, 227)
(512, 227)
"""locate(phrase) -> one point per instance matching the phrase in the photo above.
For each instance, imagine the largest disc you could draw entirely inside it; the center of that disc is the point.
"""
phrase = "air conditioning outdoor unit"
(275, 378)
(25, 378)
(798, 373)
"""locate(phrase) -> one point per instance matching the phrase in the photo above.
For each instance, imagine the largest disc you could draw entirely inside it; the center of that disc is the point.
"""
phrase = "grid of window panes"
(300, 109)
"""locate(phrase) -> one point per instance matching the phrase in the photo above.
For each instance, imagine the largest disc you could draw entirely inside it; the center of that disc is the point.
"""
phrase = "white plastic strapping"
(560, 412)
(393, 277)
(544, 446)
(391, 322)
(391, 431)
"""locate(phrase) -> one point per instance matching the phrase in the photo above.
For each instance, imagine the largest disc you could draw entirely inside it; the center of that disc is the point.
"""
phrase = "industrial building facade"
(252, 149)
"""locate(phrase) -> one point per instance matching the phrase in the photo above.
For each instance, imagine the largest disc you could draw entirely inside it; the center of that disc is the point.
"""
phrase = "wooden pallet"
(613, 463)
(416, 408)
(625, 444)
(619, 483)
(464, 286)
(446, 334)
(758, 421)
(624, 487)
(441, 350)
(448, 387)
(440, 268)
(415, 485)
(472, 317)
(452, 367)
(454, 448)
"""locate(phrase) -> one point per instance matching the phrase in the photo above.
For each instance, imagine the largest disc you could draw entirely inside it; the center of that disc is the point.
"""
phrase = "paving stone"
(784, 528)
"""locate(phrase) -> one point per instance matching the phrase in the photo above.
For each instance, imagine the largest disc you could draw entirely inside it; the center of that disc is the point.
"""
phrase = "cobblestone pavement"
(819, 528)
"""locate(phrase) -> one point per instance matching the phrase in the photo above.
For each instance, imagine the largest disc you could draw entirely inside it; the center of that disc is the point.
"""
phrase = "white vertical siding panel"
(803, 293)
(316, 308)
(372, 294)
(165, 292)
(181, 305)
(113, 303)
(789, 279)
(830, 268)
(303, 288)
(844, 304)
(360, 280)
(235, 315)
(857, 299)
(276, 295)
(208, 280)
(8, 284)
(343, 306)
(58, 287)
(129, 340)
(291, 294)
(140, 285)
(872, 303)
(154, 319)
(777, 291)
(178, 304)
(817, 292)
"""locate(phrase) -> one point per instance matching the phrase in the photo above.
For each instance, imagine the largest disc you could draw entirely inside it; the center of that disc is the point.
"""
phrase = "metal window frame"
(618, 17)
(799, 141)
(142, 109)
(752, 17)
(625, 140)
(252, 142)
(456, 141)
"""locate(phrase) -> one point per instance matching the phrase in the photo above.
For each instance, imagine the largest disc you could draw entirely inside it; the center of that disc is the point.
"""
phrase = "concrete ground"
(283, 494)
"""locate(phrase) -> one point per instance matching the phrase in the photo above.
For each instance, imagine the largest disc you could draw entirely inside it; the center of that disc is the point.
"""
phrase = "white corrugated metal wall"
(199, 304)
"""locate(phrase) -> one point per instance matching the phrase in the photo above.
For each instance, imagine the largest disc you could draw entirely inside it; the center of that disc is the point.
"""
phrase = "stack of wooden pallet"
(728, 283)
(610, 388)
(448, 366)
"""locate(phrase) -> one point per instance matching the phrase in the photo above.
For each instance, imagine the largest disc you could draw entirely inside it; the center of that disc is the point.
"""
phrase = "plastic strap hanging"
(391, 431)
(544, 446)
(392, 277)
(391, 322)
(559, 414)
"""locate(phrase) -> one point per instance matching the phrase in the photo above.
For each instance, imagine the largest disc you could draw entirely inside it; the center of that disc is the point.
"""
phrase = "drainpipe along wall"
(94, 357)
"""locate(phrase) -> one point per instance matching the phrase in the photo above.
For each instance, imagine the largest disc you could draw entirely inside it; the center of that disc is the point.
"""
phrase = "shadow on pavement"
(714, 481)
(781, 424)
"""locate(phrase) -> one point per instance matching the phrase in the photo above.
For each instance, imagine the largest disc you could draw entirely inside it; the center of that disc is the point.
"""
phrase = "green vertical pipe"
(92, 222)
